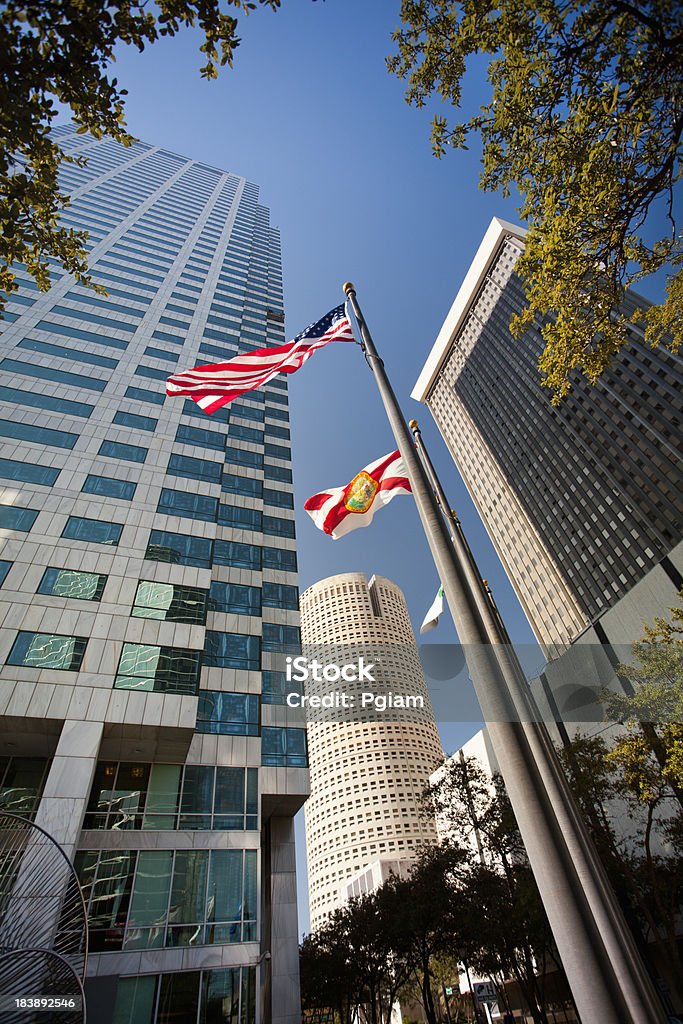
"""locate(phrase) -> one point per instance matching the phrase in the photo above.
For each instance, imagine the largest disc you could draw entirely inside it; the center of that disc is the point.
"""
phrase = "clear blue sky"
(310, 113)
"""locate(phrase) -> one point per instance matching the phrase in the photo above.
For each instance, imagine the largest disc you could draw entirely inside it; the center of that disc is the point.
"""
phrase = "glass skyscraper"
(148, 573)
(582, 500)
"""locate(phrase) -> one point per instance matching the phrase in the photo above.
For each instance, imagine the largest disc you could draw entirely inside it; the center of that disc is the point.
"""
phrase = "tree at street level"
(60, 50)
(584, 118)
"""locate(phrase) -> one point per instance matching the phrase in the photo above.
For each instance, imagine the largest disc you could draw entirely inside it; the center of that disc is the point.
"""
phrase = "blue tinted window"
(280, 638)
(278, 473)
(284, 748)
(277, 451)
(76, 332)
(243, 458)
(185, 503)
(43, 435)
(96, 530)
(172, 323)
(246, 412)
(278, 527)
(88, 299)
(158, 353)
(164, 336)
(228, 714)
(14, 518)
(274, 687)
(28, 472)
(232, 650)
(278, 414)
(242, 556)
(195, 469)
(131, 419)
(224, 354)
(234, 484)
(5, 567)
(149, 371)
(170, 602)
(273, 396)
(155, 397)
(178, 549)
(279, 595)
(122, 270)
(76, 380)
(281, 499)
(245, 433)
(68, 353)
(127, 452)
(93, 318)
(162, 669)
(85, 586)
(201, 437)
(234, 597)
(48, 650)
(108, 486)
(45, 401)
(240, 518)
(211, 332)
(279, 558)
(275, 431)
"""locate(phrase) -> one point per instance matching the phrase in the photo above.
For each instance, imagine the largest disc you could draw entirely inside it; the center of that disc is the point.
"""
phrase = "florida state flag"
(339, 510)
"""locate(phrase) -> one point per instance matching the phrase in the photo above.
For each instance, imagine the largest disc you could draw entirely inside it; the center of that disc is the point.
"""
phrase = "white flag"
(434, 614)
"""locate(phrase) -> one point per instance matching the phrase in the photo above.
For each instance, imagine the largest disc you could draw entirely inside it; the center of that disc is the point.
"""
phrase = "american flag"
(217, 384)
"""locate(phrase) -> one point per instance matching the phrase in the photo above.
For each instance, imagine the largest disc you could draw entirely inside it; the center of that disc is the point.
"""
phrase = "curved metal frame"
(40, 878)
(57, 956)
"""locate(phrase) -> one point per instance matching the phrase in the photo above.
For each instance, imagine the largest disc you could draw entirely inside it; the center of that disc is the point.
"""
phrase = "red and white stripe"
(328, 509)
(215, 384)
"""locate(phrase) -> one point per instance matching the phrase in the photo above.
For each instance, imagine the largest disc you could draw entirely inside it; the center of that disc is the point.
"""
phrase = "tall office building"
(368, 771)
(580, 501)
(148, 576)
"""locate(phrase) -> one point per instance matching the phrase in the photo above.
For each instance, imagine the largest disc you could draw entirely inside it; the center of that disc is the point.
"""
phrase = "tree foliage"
(650, 751)
(59, 52)
(585, 119)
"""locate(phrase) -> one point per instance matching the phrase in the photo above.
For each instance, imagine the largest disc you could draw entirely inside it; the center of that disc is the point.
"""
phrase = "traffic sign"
(485, 992)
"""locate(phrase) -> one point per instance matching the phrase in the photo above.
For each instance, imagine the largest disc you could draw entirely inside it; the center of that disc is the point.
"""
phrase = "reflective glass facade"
(142, 576)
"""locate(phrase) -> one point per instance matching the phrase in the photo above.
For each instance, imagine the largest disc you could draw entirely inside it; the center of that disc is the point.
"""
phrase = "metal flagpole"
(604, 972)
(615, 934)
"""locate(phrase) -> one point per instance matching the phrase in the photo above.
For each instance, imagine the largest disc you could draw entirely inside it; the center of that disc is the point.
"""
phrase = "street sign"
(485, 992)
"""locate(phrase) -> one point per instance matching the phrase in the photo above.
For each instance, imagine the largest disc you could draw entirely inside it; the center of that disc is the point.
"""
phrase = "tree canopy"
(584, 118)
(60, 52)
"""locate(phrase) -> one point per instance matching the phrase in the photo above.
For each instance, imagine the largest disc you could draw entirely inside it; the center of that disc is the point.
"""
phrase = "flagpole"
(605, 973)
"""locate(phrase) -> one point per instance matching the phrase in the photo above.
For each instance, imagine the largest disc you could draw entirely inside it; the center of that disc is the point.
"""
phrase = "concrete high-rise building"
(148, 580)
(582, 500)
(368, 771)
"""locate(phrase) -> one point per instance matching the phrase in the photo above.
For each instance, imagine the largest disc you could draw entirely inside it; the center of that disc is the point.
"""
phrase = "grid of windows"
(134, 795)
(227, 995)
(155, 898)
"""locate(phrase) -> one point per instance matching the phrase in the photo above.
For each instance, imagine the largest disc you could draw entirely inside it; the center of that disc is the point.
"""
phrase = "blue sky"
(310, 113)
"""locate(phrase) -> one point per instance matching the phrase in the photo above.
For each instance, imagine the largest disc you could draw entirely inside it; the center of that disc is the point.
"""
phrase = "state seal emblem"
(361, 493)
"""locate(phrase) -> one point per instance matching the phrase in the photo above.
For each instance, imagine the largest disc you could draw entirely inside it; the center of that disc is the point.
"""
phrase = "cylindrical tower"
(368, 769)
